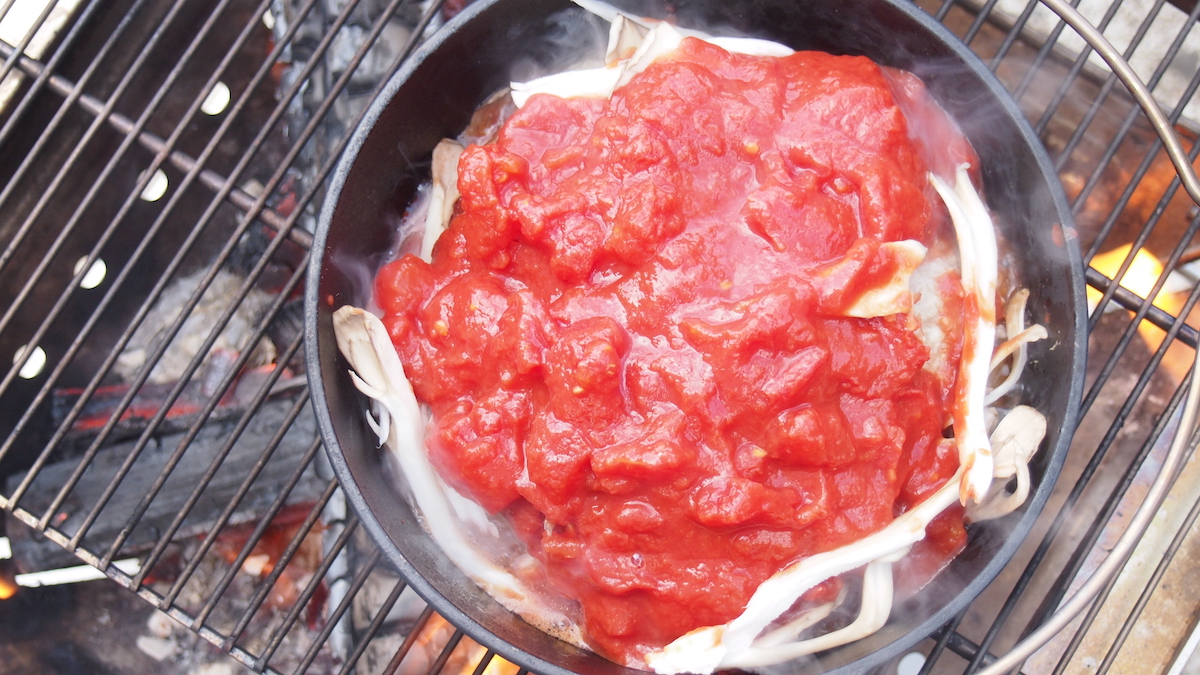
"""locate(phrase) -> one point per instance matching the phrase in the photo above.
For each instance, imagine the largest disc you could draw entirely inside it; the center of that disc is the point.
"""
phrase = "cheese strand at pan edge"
(978, 257)
(662, 39)
(378, 373)
(706, 650)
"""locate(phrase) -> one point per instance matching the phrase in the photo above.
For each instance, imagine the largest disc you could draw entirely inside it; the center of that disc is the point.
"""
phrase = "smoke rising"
(574, 40)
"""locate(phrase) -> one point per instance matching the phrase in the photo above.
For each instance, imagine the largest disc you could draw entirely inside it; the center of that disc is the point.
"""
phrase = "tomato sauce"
(633, 334)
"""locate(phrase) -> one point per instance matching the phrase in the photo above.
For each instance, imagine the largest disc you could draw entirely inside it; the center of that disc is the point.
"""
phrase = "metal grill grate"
(156, 409)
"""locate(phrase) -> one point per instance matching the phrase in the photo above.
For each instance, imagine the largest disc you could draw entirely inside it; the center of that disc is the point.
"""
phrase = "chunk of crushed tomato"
(633, 341)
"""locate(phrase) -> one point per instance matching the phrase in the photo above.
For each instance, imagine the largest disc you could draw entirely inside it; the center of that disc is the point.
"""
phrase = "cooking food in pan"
(687, 346)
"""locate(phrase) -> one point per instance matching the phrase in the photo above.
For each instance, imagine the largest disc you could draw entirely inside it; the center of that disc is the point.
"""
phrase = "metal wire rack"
(160, 167)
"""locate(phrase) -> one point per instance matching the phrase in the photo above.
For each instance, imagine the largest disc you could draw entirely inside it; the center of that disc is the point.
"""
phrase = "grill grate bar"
(198, 360)
(147, 305)
(7, 6)
(184, 618)
(1044, 546)
(260, 528)
(327, 103)
(1079, 556)
(265, 586)
(63, 298)
(153, 143)
(1023, 581)
(940, 15)
(1129, 299)
(79, 341)
(1148, 228)
(260, 397)
(972, 31)
(1010, 39)
(1082, 483)
(1144, 599)
(69, 227)
(161, 414)
(11, 61)
(1077, 67)
(941, 640)
(376, 625)
(1044, 52)
(120, 577)
(1143, 379)
(1126, 194)
(1051, 600)
(1142, 308)
(1132, 302)
(27, 225)
(154, 294)
(1111, 80)
(964, 647)
(223, 256)
(338, 612)
(243, 224)
(1098, 604)
(444, 656)
(1140, 312)
(175, 262)
(306, 595)
(231, 376)
(484, 662)
(981, 31)
(213, 637)
(1081, 633)
(1110, 153)
(409, 640)
(243, 490)
(203, 630)
(51, 66)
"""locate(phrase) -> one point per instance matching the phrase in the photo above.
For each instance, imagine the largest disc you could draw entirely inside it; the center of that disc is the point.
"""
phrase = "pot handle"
(1137, 88)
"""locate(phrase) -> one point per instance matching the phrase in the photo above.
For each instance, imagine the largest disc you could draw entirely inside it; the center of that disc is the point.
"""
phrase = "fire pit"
(188, 145)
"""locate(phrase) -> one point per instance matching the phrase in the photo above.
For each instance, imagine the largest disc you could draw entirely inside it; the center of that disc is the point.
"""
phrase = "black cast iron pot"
(496, 41)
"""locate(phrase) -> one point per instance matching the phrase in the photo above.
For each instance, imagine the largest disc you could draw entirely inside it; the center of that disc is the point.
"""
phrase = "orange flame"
(7, 587)
(1140, 278)
(463, 660)
(1144, 271)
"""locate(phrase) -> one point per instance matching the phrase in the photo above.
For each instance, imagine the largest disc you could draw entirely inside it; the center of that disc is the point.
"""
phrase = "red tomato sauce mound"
(632, 335)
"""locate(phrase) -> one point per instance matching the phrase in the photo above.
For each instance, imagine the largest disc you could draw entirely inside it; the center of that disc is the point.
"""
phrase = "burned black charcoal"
(288, 326)
(249, 250)
(103, 403)
(27, 614)
(34, 553)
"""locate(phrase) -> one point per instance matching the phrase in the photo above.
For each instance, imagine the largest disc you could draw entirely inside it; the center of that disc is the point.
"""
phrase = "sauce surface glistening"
(634, 343)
